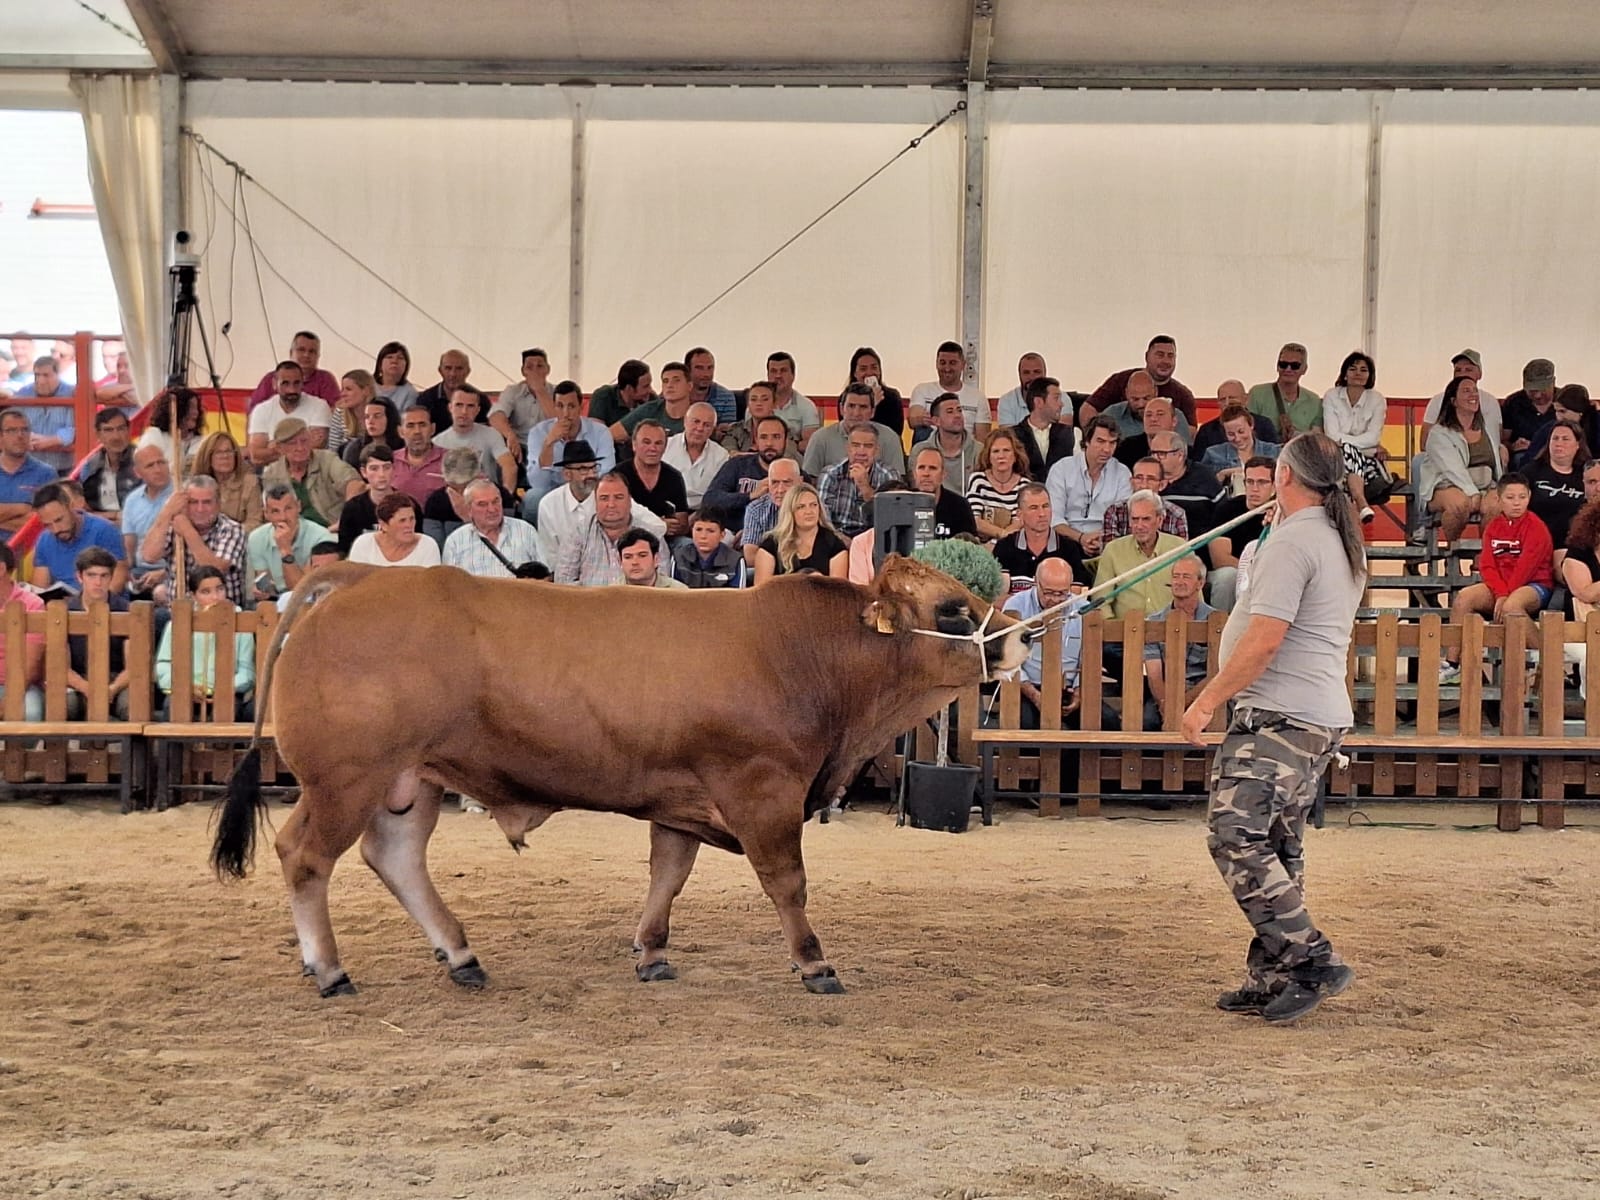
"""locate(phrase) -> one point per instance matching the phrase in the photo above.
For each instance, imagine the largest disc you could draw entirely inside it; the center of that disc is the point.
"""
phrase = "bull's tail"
(239, 819)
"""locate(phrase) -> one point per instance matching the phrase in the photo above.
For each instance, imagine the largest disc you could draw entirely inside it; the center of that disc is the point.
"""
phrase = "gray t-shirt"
(1300, 575)
(488, 443)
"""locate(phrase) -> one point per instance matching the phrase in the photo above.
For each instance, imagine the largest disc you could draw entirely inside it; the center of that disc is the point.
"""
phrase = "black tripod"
(185, 319)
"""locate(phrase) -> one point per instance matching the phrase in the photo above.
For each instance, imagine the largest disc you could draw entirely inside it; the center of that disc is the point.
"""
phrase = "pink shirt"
(30, 603)
(318, 383)
(419, 482)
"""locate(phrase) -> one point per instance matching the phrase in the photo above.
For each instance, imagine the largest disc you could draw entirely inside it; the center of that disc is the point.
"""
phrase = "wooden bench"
(55, 748)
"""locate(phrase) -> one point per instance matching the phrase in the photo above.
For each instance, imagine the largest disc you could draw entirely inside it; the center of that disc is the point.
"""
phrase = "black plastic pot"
(940, 797)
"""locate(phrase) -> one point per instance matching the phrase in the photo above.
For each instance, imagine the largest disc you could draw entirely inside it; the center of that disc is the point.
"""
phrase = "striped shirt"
(983, 495)
(518, 542)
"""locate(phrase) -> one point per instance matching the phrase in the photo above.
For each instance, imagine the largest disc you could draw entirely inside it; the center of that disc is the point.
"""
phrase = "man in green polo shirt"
(281, 549)
(1292, 408)
(1139, 547)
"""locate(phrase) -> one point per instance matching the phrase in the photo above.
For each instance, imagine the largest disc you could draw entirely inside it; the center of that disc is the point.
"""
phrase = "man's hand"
(174, 505)
(678, 525)
(861, 476)
(1520, 445)
(761, 488)
(514, 443)
(283, 536)
(1091, 543)
(1196, 719)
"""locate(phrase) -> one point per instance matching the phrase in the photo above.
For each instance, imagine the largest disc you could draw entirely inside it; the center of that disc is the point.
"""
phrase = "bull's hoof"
(655, 972)
(339, 987)
(469, 975)
(826, 984)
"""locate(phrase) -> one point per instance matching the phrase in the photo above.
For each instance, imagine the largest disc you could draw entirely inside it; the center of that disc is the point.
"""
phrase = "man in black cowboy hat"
(559, 512)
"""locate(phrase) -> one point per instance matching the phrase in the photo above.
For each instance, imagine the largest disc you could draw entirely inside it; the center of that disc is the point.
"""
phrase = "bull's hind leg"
(308, 845)
(775, 855)
(672, 856)
(395, 846)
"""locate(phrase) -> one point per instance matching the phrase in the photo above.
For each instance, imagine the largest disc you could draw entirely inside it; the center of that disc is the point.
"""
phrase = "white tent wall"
(457, 196)
(1489, 236)
(1233, 221)
(687, 189)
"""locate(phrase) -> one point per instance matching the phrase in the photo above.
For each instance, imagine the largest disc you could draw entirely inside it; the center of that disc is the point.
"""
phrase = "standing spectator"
(356, 391)
(994, 488)
(705, 560)
(68, 532)
(305, 351)
(950, 364)
(117, 389)
(803, 542)
(1555, 478)
(1012, 408)
(108, 474)
(209, 539)
(54, 426)
(21, 474)
(396, 542)
(1530, 410)
(280, 550)
(704, 389)
(22, 356)
(238, 486)
(33, 644)
(693, 454)
(888, 408)
(173, 410)
(1227, 459)
(391, 373)
(293, 403)
(1083, 487)
(491, 539)
(796, 408)
(1515, 570)
(524, 404)
(1160, 361)
(1293, 408)
(1460, 463)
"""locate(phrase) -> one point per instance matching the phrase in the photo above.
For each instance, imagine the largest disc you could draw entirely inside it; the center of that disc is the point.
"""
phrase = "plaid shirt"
(1173, 520)
(846, 509)
(226, 540)
(760, 519)
(589, 558)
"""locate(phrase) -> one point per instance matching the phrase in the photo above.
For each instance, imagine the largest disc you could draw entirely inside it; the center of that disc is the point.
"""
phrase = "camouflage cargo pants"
(1264, 781)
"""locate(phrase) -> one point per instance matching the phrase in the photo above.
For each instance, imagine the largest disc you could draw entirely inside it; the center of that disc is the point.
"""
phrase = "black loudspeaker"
(901, 522)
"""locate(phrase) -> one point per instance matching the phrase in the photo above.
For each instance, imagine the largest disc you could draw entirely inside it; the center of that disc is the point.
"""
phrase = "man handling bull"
(1283, 661)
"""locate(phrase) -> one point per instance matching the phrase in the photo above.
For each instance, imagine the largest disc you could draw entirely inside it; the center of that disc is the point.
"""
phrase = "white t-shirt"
(697, 476)
(365, 550)
(973, 402)
(313, 410)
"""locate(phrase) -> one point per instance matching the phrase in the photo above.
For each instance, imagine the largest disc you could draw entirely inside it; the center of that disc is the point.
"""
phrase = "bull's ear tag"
(880, 618)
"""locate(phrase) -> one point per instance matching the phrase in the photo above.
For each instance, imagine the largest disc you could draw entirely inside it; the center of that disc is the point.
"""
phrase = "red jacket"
(1515, 554)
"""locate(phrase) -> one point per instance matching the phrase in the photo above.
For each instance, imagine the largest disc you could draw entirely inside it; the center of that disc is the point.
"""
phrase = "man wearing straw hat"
(1283, 662)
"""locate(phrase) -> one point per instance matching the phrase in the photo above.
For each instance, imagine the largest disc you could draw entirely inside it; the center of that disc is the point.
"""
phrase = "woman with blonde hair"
(238, 488)
(356, 390)
(803, 541)
(994, 488)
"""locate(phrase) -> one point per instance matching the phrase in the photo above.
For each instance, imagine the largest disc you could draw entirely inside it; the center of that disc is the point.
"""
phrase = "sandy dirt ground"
(1029, 1015)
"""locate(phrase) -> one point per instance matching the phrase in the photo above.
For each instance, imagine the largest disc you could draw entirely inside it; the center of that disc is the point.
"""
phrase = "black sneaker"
(1299, 999)
(1247, 1000)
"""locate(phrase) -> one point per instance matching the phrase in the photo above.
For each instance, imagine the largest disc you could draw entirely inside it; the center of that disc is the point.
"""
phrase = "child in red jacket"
(1517, 566)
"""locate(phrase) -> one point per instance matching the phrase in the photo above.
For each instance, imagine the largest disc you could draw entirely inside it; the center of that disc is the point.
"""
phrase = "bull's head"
(910, 597)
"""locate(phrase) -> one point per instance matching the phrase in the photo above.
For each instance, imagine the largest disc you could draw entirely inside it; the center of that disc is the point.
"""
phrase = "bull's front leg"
(778, 863)
(672, 856)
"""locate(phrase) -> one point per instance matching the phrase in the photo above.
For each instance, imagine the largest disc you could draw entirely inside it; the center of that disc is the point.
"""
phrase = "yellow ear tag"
(884, 624)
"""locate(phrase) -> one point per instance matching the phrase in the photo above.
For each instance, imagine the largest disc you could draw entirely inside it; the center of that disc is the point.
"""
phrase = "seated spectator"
(668, 411)
(1051, 586)
(639, 553)
(653, 483)
(305, 351)
(33, 645)
(704, 389)
(803, 541)
(1188, 485)
(238, 485)
(1082, 488)
(951, 512)
(847, 488)
(116, 389)
(1527, 412)
(1012, 408)
(1046, 433)
(950, 365)
(743, 478)
(888, 408)
(320, 478)
(356, 390)
(1294, 409)
(360, 513)
(418, 468)
(547, 443)
(1160, 361)
(795, 407)
(760, 403)
(454, 367)
(693, 454)
(1146, 476)
(67, 533)
(396, 542)
(1516, 568)
(993, 489)
(280, 550)
(210, 590)
(210, 539)
(54, 426)
(391, 372)
(1572, 405)
(291, 404)
(490, 544)
(322, 554)
(761, 514)
(465, 433)
(1460, 463)
(1580, 568)
(830, 446)
(380, 426)
(589, 555)
(1185, 581)
(948, 431)
(1226, 460)
(1230, 392)
(1227, 552)
(1159, 417)
(1138, 548)
(96, 571)
(21, 474)
(139, 511)
(159, 432)
(1128, 413)
(705, 560)
(864, 546)
(1019, 553)
(1468, 363)
(108, 473)
(1555, 476)
(613, 401)
(1353, 413)
(521, 406)
(571, 506)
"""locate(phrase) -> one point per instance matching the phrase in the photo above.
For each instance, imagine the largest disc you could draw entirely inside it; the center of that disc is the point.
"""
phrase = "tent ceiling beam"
(160, 37)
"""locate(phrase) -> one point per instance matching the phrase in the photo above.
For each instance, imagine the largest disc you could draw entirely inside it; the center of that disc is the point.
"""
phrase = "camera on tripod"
(183, 257)
(184, 272)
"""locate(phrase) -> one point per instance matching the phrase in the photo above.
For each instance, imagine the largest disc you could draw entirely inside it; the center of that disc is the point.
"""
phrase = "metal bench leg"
(986, 782)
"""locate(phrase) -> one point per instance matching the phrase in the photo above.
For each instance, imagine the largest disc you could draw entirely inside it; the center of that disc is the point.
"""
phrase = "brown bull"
(733, 716)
